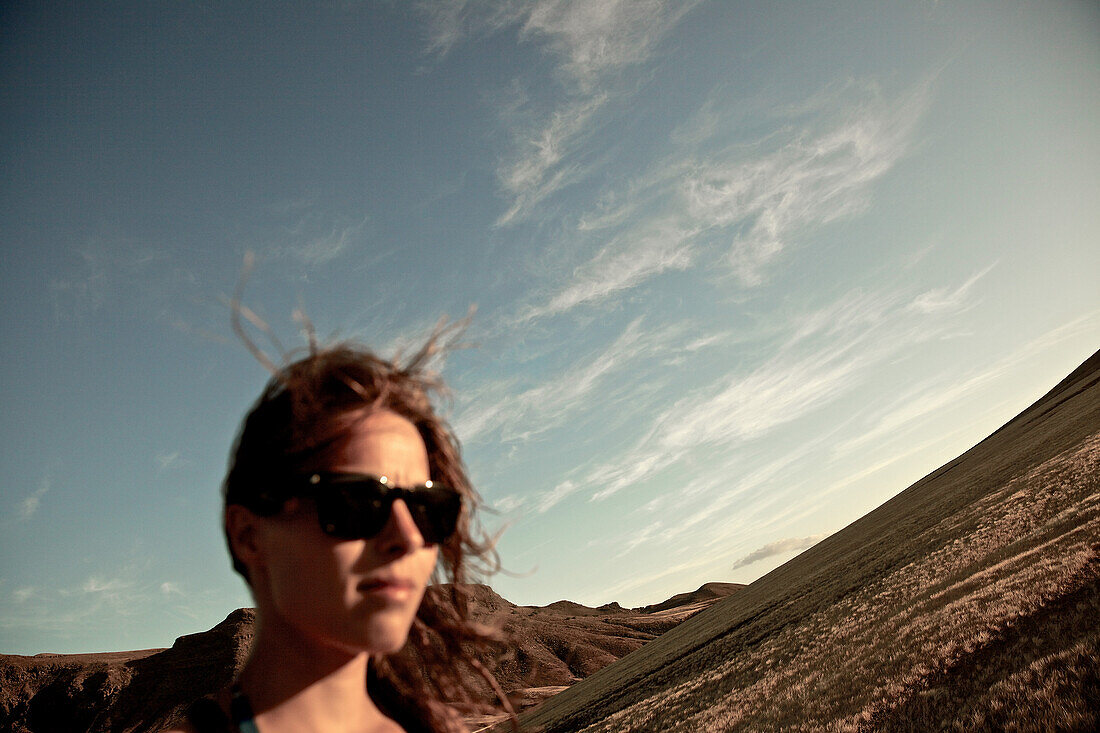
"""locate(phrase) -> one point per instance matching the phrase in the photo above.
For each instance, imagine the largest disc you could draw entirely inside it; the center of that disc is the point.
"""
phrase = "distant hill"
(968, 601)
(553, 647)
(707, 593)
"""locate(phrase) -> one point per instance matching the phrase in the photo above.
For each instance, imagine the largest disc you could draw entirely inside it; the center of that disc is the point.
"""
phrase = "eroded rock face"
(123, 691)
(552, 648)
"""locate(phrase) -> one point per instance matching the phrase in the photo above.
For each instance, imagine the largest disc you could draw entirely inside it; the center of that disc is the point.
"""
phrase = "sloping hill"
(970, 599)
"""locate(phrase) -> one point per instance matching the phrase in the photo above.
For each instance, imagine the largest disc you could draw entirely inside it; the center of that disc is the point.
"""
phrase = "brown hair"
(292, 425)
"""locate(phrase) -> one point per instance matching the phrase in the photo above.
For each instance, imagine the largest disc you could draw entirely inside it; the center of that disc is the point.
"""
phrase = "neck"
(294, 682)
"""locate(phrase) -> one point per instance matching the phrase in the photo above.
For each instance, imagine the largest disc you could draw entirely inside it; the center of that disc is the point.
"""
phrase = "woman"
(345, 496)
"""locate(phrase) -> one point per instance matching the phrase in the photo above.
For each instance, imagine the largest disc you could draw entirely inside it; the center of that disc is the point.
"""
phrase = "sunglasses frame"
(358, 505)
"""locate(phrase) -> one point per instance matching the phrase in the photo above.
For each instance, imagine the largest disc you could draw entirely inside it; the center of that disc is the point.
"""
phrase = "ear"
(242, 530)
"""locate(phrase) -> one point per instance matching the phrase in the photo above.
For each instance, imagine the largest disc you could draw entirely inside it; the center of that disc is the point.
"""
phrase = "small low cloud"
(166, 461)
(32, 501)
(96, 584)
(788, 544)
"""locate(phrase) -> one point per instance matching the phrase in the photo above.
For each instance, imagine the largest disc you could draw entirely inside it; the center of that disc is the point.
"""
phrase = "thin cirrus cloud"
(108, 587)
(942, 299)
(591, 43)
(166, 461)
(105, 267)
(830, 359)
(728, 484)
(535, 170)
(734, 409)
(22, 595)
(911, 409)
(318, 238)
(590, 38)
(450, 22)
(28, 507)
(526, 414)
(766, 194)
(593, 39)
(787, 544)
(622, 264)
(742, 205)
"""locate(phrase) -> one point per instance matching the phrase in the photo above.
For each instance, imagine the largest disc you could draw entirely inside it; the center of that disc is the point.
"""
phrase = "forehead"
(380, 442)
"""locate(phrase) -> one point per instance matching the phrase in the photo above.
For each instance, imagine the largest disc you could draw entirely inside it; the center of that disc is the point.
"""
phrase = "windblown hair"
(289, 431)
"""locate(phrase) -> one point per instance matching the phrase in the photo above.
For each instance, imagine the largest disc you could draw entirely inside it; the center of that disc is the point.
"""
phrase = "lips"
(385, 585)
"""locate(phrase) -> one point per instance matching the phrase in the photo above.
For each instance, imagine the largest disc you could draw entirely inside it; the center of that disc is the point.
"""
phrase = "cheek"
(305, 568)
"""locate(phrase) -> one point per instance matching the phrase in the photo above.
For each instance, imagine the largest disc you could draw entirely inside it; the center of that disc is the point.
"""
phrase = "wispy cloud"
(770, 193)
(452, 21)
(166, 461)
(594, 38)
(30, 503)
(911, 409)
(97, 584)
(312, 235)
(97, 603)
(855, 311)
(319, 244)
(590, 38)
(742, 204)
(735, 409)
(528, 413)
(620, 265)
(169, 588)
(734, 482)
(107, 267)
(549, 499)
(590, 44)
(779, 547)
(944, 299)
(534, 170)
(830, 352)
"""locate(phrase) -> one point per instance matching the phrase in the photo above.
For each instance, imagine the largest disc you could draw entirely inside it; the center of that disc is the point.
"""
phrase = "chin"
(383, 635)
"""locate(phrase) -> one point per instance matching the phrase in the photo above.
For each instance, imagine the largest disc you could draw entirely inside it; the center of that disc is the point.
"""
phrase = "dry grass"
(967, 602)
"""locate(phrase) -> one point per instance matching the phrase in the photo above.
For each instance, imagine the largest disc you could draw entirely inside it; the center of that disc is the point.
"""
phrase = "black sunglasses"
(357, 506)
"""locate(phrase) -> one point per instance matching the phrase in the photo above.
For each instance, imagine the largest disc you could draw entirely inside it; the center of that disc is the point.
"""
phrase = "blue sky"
(742, 272)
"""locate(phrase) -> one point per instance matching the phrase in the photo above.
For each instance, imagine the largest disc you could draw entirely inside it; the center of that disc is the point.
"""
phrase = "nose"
(400, 535)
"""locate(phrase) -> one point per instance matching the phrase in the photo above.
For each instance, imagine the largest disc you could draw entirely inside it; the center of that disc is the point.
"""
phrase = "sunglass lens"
(348, 513)
(435, 512)
(361, 510)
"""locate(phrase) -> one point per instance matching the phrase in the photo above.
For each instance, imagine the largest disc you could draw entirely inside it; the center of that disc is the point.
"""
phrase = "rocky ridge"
(553, 647)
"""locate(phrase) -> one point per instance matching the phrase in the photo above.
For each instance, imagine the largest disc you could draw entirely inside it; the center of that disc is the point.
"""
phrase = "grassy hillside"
(970, 599)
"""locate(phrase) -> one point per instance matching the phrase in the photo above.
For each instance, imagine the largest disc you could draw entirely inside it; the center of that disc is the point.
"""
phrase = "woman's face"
(362, 594)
